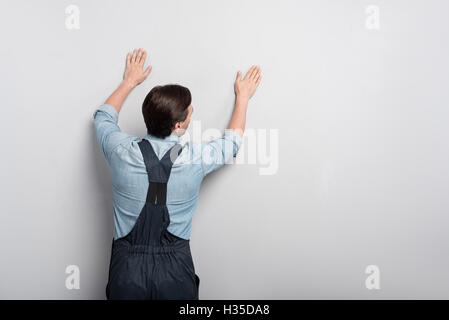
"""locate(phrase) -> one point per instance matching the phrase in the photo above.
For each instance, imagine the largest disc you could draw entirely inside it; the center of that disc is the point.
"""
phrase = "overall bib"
(150, 262)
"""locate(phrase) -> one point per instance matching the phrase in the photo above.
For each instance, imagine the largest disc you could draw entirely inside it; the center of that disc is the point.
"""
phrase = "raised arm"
(244, 90)
(108, 132)
(133, 75)
(217, 152)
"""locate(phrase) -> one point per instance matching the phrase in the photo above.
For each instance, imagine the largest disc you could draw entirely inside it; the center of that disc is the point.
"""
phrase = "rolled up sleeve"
(108, 132)
(217, 152)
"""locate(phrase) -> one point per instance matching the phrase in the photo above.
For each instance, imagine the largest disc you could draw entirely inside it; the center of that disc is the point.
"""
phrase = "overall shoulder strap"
(149, 156)
(158, 170)
(171, 155)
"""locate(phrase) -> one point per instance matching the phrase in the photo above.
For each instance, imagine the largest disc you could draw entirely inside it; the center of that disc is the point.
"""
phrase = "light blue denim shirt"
(130, 179)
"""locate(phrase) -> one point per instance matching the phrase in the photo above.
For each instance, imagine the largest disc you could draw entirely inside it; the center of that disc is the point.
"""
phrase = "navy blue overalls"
(150, 262)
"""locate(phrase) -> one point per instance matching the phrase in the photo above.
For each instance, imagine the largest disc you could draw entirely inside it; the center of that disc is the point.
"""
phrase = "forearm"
(117, 98)
(238, 119)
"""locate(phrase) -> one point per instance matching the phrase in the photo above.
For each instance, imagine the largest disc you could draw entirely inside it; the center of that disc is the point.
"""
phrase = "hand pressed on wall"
(134, 73)
(246, 87)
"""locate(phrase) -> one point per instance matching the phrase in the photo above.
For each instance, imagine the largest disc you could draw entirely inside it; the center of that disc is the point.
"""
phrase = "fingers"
(144, 56)
(252, 73)
(133, 58)
(248, 74)
(258, 76)
(239, 76)
(147, 71)
(139, 56)
(255, 73)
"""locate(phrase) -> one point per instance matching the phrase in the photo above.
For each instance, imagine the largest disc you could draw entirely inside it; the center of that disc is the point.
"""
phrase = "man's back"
(130, 179)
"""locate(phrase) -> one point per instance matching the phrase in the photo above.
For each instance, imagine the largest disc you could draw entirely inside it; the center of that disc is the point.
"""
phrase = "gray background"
(363, 156)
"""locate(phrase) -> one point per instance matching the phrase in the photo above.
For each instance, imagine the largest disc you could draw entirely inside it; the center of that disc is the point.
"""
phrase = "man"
(156, 182)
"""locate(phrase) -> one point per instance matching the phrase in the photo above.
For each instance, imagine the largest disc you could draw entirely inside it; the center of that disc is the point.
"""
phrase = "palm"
(135, 62)
(247, 86)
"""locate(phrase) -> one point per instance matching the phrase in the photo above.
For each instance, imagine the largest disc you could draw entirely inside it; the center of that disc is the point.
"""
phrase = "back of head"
(163, 107)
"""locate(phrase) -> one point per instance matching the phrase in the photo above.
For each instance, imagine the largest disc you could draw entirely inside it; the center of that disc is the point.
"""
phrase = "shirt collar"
(171, 137)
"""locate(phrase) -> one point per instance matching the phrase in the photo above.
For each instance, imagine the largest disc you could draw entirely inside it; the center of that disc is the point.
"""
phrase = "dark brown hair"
(163, 107)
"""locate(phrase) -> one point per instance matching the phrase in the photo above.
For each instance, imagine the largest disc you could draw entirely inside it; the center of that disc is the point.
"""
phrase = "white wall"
(361, 115)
